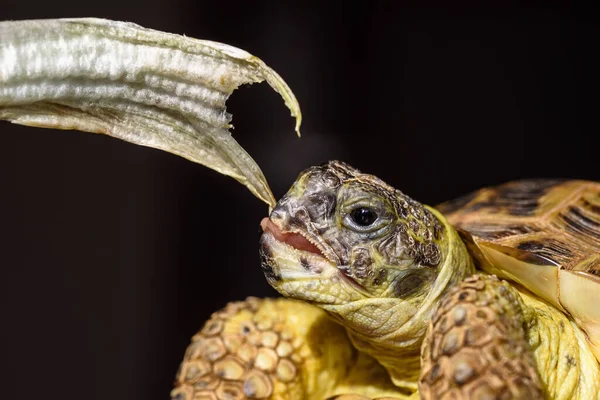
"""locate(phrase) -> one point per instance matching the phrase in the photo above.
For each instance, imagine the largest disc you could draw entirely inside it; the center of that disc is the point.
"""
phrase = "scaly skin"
(476, 346)
(489, 339)
(392, 296)
(386, 302)
(567, 367)
(314, 358)
(276, 349)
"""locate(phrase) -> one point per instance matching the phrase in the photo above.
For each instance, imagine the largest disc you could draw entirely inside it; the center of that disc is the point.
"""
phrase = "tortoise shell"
(543, 235)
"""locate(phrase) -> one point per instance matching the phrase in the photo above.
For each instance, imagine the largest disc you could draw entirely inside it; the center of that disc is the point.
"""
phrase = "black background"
(112, 255)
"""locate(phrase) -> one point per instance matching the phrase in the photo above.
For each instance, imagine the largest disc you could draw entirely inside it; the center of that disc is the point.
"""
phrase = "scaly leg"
(276, 349)
(476, 346)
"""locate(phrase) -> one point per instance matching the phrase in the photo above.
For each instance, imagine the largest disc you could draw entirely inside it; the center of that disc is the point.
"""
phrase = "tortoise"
(489, 296)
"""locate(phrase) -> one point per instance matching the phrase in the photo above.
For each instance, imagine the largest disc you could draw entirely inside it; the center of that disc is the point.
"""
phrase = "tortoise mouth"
(293, 239)
(300, 242)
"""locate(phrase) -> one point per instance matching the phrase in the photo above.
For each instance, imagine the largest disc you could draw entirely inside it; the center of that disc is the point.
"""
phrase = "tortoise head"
(372, 257)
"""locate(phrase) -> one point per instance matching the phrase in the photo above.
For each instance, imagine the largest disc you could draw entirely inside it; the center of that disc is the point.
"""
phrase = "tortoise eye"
(363, 216)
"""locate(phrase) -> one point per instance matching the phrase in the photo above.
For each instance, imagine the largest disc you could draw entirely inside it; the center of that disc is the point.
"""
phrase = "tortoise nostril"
(277, 213)
(281, 208)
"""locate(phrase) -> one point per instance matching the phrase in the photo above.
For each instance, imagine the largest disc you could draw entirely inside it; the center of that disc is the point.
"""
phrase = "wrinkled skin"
(374, 234)
(401, 284)
(370, 256)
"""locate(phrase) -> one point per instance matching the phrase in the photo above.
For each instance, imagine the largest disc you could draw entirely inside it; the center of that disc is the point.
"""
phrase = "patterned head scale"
(382, 241)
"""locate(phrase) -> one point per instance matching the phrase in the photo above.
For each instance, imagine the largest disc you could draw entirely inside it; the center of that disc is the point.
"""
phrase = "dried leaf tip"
(144, 86)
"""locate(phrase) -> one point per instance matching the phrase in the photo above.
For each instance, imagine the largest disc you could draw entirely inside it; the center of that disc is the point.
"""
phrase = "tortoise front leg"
(476, 346)
(246, 350)
(276, 349)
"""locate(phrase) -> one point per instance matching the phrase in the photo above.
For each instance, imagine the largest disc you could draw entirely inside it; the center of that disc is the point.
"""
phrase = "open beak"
(295, 240)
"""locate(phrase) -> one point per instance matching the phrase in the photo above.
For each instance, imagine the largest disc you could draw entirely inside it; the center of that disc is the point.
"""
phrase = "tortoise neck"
(399, 350)
(402, 361)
